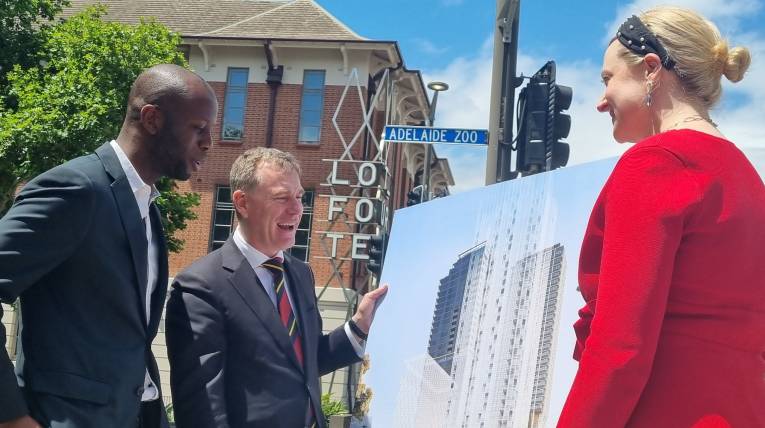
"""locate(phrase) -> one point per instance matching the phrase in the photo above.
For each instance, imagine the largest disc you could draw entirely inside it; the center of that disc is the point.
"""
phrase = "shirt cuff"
(358, 345)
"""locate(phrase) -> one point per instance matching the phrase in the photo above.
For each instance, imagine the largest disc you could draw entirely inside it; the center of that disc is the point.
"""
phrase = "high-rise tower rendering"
(446, 315)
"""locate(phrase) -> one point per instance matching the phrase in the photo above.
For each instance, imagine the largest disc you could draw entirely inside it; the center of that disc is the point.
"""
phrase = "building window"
(311, 106)
(233, 105)
(303, 235)
(223, 217)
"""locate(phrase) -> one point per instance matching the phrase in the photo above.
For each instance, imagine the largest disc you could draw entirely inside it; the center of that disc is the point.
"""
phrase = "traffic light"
(542, 123)
(532, 119)
(561, 123)
(414, 197)
(377, 244)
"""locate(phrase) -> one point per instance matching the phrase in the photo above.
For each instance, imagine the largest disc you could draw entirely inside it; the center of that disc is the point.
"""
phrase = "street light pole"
(436, 87)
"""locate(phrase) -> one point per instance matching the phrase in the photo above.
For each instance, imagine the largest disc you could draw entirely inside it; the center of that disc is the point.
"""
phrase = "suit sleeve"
(196, 345)
(45, 225)
(335, 350)
(650, 196)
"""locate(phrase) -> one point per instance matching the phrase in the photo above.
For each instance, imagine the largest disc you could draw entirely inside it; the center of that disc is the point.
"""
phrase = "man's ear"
(239, 198)
(152, 119)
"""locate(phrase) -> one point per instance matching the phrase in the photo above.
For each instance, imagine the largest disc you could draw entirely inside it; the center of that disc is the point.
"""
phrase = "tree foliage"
(74, 100)
(23, 24)
(176, 209)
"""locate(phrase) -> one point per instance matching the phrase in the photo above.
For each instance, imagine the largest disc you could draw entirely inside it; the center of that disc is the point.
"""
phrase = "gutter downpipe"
(274, 80)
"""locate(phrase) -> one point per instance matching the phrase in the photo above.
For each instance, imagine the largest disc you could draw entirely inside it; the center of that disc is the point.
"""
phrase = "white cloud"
(464, 105)
(725, 13)
(468, 165)
(429, 47)
(745, 123)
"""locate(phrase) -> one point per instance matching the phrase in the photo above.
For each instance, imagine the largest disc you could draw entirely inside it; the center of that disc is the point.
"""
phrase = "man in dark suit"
(244, 334)
(84, 249)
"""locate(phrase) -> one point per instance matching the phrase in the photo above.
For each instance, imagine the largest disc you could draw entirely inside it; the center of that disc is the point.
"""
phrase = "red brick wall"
(215, 169)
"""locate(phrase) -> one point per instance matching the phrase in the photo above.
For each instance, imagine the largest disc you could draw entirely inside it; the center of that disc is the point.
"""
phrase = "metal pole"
(396, 148)
(428, 149)
(504, 164)
(496, 97)
(503, 84)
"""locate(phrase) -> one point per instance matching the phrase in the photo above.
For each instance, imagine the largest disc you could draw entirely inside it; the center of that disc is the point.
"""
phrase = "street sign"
(427, 135)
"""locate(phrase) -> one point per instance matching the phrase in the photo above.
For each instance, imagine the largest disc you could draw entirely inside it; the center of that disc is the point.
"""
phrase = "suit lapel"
(160, 292)
(130, 216)
(247, 285)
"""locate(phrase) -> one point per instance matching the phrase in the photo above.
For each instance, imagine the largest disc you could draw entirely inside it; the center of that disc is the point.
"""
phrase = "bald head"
(168, 126)
(165, 84)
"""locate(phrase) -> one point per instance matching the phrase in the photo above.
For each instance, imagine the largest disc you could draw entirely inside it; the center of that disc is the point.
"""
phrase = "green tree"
(23, 24)
(176, 208)
(74, 100)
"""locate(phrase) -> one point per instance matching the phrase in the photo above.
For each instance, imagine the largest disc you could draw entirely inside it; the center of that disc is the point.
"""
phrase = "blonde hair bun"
(737, 62)
(701, 54)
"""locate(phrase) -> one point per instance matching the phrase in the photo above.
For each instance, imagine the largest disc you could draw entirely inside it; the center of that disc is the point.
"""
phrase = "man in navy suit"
(244, 333)
(84, 249)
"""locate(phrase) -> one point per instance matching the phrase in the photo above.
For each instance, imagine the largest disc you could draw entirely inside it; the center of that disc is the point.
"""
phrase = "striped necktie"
(284, 308)
(288, 319)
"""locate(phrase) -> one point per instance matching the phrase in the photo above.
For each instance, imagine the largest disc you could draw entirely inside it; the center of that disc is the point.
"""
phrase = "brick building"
(289, 75)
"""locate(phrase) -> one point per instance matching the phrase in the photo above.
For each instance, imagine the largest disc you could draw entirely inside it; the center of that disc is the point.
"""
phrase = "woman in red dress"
(672, 267)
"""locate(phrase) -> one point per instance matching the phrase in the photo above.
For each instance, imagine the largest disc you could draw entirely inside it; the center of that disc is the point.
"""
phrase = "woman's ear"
(652, 64)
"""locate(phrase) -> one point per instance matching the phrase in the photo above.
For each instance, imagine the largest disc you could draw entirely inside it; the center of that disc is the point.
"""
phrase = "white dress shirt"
(144, 196)
(255, 258)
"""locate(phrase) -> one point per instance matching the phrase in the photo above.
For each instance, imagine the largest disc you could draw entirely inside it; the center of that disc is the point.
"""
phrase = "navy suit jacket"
(231, 360)
(74, 249)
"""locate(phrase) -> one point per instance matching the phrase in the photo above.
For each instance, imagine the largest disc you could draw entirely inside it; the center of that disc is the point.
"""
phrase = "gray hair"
(245, 170)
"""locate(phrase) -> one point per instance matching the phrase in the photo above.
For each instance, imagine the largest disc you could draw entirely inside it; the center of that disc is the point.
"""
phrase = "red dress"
(672, 269)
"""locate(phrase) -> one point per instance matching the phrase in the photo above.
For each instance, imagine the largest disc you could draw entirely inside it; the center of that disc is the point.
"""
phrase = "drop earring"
(648, 93)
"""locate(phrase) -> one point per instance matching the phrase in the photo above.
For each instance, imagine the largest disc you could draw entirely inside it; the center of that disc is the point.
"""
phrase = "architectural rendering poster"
(476, 330)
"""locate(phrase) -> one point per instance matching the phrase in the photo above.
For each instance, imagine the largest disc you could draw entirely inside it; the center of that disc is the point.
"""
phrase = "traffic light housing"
(542, 123)
(414, 197)
(377, 244)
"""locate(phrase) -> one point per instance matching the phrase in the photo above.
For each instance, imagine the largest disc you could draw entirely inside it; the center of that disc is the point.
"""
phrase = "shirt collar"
(143, 193)
(253, 256)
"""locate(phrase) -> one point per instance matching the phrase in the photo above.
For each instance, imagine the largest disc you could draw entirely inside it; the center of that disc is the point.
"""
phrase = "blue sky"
(433, 33)
(450, 40)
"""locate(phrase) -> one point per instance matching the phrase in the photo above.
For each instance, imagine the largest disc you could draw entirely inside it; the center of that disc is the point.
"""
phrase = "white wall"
(294, 60)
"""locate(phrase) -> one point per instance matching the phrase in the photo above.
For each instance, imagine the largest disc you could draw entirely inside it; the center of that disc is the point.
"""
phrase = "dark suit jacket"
(73, 247)
(231, 361)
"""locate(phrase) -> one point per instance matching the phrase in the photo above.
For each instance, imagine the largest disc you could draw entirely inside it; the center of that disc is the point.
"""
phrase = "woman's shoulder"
(685, 144)
(657, 159)
(653, 151)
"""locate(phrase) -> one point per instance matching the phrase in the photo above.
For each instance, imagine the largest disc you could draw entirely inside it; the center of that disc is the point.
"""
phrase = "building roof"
(275, 22)
(257, 19)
